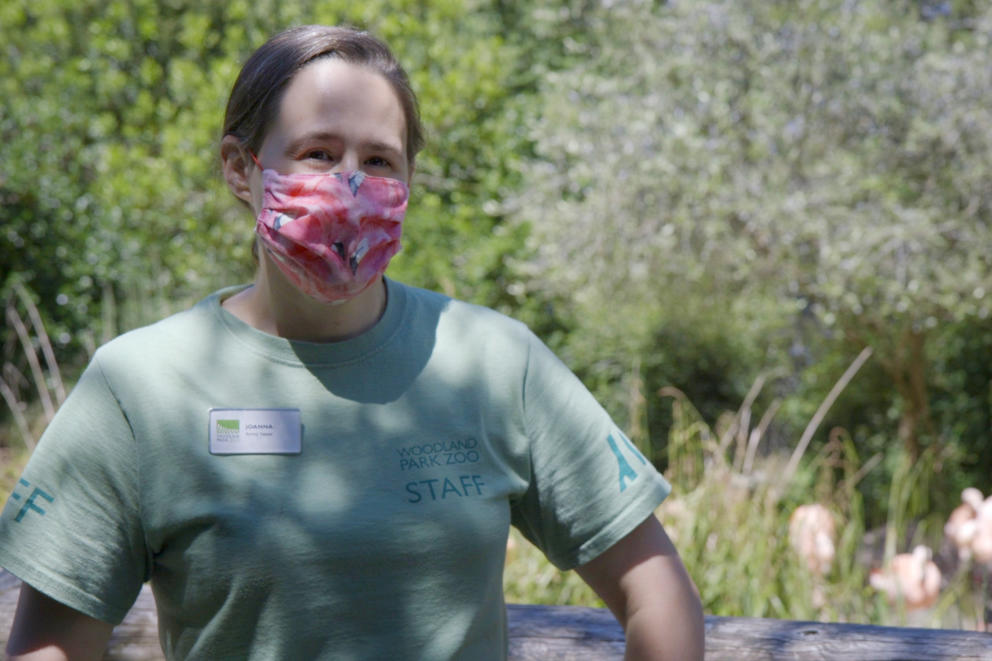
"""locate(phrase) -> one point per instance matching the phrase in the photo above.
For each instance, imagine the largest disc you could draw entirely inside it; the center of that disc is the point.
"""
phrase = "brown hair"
(255, 97)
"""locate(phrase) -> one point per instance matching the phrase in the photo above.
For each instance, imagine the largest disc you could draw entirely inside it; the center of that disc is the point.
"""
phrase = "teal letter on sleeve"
(627, 473)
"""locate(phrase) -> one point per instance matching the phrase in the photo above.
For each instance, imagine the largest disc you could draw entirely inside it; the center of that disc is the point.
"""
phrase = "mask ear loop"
(252, 154)
(254, 244)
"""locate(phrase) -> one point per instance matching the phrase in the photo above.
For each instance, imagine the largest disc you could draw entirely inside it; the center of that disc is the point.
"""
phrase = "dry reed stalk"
(684, 466)
(43, 339)
(821, 413)
(19, 419)
(743, 417)
(757, 434)
(849, 484)
(39, 376)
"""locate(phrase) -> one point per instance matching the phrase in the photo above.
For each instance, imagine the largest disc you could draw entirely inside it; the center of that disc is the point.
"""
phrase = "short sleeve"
(589, 485)
(71, 527)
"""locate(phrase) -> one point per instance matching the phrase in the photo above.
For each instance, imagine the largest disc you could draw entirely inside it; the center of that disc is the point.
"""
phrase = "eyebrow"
(328, 136)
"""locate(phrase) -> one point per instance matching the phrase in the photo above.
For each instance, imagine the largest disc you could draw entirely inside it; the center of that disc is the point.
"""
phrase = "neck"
(273, 305)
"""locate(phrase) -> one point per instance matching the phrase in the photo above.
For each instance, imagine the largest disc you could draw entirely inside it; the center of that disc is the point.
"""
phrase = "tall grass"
(31, 346)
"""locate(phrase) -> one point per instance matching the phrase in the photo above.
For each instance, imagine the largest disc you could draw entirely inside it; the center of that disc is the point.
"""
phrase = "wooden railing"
(572, 633)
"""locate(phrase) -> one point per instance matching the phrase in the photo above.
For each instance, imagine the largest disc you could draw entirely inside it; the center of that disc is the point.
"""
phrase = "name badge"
(255, 431)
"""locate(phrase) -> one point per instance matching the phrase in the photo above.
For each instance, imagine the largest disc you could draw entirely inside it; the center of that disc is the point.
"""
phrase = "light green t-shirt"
(349, 500)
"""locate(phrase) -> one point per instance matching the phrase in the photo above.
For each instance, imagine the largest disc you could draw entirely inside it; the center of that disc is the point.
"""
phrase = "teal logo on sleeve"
(31, 504)
(627, 472)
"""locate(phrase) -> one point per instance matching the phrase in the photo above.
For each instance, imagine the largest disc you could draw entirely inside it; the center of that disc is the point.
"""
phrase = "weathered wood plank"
(583, 634)
(568, 633)
(572, 633)
(753, 639)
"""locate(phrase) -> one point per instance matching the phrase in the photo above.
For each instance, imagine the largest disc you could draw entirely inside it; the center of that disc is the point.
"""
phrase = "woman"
(326, 463)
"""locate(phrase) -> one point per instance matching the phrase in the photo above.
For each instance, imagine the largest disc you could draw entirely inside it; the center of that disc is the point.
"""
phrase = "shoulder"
(164, 340)
(465, 322)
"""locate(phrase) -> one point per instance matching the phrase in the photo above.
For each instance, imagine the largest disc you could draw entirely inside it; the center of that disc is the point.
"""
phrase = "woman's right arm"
(47, 630)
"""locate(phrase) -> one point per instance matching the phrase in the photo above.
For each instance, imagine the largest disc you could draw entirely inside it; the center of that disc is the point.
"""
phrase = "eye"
(378, 162)
(318, 155)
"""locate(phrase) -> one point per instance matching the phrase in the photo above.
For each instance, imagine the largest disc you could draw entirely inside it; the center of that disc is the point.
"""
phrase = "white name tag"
(255, 431)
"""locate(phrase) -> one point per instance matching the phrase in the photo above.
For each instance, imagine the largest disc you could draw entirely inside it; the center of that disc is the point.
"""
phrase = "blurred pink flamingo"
(912, 578)
(813, 535)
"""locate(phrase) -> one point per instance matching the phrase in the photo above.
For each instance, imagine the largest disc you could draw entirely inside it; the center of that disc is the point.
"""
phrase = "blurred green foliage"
(738, 188)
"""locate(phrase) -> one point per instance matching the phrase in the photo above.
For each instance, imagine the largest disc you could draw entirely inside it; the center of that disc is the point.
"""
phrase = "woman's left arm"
(644, 583)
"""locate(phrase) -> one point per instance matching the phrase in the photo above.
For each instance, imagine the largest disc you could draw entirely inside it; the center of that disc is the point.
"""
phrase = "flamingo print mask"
(331, 234)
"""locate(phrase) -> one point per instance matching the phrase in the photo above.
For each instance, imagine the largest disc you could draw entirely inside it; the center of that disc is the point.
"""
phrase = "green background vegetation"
(698, 195)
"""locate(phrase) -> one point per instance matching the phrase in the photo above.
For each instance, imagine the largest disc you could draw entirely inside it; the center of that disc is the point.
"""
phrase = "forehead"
(331, 95)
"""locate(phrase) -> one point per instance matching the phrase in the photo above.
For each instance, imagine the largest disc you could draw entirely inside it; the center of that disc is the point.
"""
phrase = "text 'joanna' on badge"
(255, 431)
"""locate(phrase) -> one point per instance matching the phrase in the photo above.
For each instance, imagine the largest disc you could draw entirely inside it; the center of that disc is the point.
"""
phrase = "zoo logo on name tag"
(255, 431)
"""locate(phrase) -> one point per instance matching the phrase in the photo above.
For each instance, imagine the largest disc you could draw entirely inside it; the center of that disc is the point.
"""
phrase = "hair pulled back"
(254, 101)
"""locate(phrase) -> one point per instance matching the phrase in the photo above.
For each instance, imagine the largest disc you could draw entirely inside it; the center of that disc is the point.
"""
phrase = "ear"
(237, 167)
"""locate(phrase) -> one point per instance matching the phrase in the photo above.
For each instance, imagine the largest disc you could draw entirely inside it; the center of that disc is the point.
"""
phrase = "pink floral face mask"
(332, 235)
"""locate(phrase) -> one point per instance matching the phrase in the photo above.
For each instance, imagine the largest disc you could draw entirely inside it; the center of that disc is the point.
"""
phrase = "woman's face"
(335, 116)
